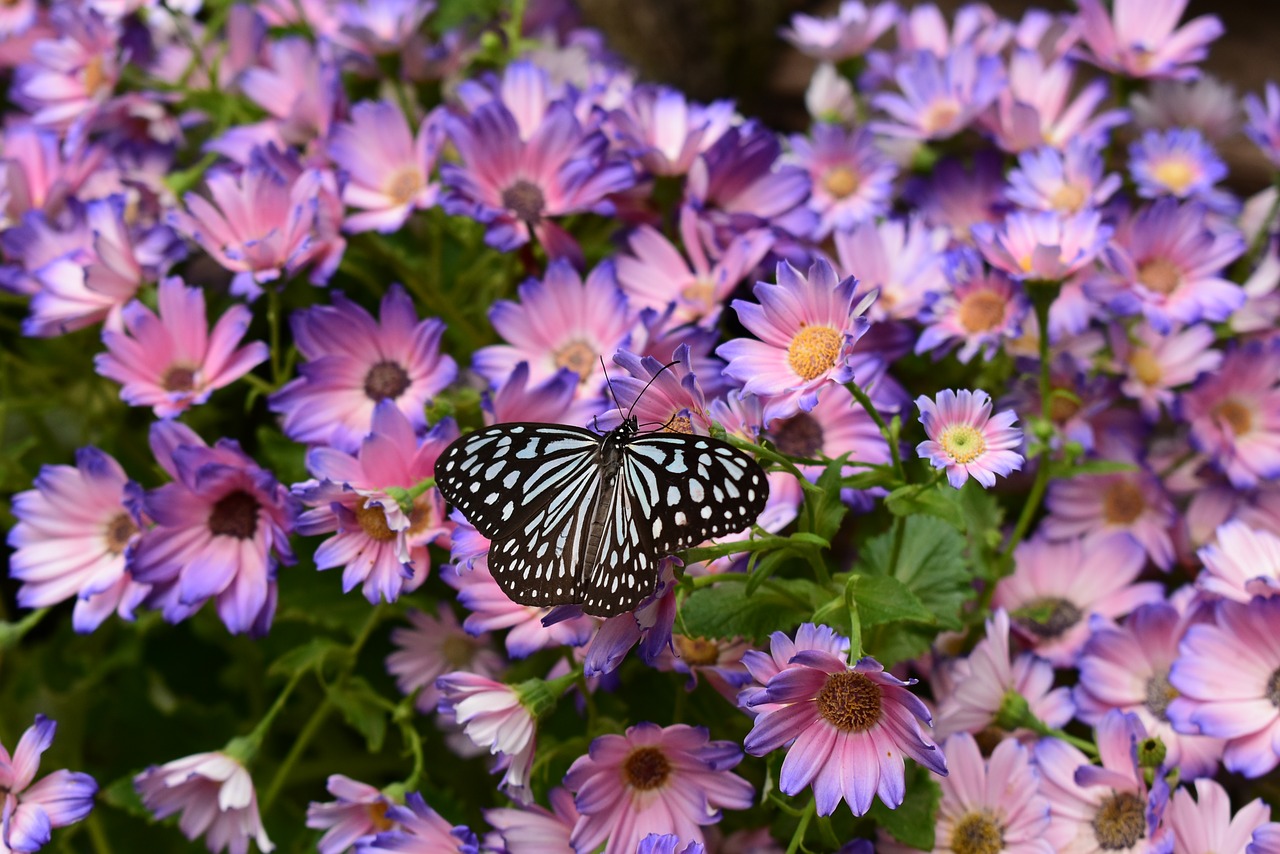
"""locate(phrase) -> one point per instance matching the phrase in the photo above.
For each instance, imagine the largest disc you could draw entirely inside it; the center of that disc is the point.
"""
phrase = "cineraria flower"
(32, 811)
(852, 178)
(382, 27)
(956, 197)
(513, 186)
(526, 89)
(1065, 181)
(388, 169)
(1206, 824)
(900, 259)
(353, 362)
(1180, 163)
(808, 327)
(848, 727)
(854, 29)
(1226, 674)
(1241, 562)
(360, 810)
(838, 425)
(981, 311)
(74, 535)
(939, 96)
(1056, 585)
(222, 526)
(653, 780)
(718, 660)
(433, 646)
(782, 648)
(173, 361)
(1154, 364)
(1032, 110)
(664, 131)
(965, 440)
(648, 625)
(1138, 38)
(376, 543)
(976, 25)
(1206, 104)
(298, 86)
(532, 829)
(1042, 246)
(215, 795)
(69, 77)
(559, 322)
(39, 172)
(662, 396)
(555, 400)
(1127, 667)
(1108, 808)
(1234, 414)
(495, 716)
(655, 274)
(1266, 839)
(421, 830)
(1263, 126)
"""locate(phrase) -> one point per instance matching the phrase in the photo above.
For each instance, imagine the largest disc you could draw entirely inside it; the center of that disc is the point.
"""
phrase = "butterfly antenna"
(649, 383)
(609, 383)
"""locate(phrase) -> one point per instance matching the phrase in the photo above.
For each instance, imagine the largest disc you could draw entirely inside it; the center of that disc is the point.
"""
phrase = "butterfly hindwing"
(626, 571)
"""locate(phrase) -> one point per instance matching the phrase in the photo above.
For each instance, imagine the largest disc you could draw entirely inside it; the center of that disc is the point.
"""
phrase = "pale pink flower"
(965, 440)
(430, 648)
(1138, 38)
(533, 829)
(360, 810)
(1234, 414)
(901, 259)
(494, 715)
(215, 795)
(1154, 364)
(1205, 825)
(296, 86)
(71, 76)
(850, 33)
(1033, 110)
(1241, 563)
(30, 811)
(1043, 246)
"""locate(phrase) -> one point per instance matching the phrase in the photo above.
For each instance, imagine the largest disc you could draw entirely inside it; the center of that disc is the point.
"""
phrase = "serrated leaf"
(913, 821)
(302, 658)
(939, 501)
(884, 599)
(931, 565)
(726, 610)
(982, 516)
(360, 708)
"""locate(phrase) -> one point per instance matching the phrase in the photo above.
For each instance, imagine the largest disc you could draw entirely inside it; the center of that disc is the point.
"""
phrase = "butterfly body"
(579, 518)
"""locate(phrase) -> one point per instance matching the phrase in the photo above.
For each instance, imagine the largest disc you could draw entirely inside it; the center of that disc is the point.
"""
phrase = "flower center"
(680, 424)
(1068, 198)
(1063, 407)
(457, 650)
(422, 516)
(578, 356)
(1160, 275)
(1123, 502)
(1273, 689)
(1062, 615)
(178, 378)
(977, 833)
(1145, 366)
(963, 443)
(1176, 174)
(646, 768)
(235, 515)
(405, 184)
(1120, 821)
(982, 311)
(1159, 695)
(940, 115)
(701, 293)
(1236, 415)
(797, 436)
(95, 76)
(697, 652)
(841, 181)
(525, 200)
(850, 702)
(378, 816)
(386, 379)
(119, 531)
(813, 351)
(373, 521)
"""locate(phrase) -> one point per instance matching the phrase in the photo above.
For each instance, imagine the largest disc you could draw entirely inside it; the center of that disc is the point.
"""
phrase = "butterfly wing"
(626, 571)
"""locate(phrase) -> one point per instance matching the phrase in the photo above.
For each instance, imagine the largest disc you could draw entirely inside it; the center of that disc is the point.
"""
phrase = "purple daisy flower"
(1180, 163)
(965, 440)
(1206, 823)
(850, 33)
(31, 811)
(852, 178)
(662, 396)
(298, 87)
(555, 400)
(353, 362)
(982, 310)
(1042, 246)
(41, 172)
(513, 186)
(808, 327)
(215, 796)
(359, 811)
(68, 77)
(763, 666)
(939, 97)
(433, 646)
(1234, 414)
(494, 716)
(1154, 364)
(957, 197)
(665, 132)
(1032, 111)
(533, 829)
(421, 830)
(1263, 125)
(1141, 38)
(221, 528)
(902, 260)
(1065, 181)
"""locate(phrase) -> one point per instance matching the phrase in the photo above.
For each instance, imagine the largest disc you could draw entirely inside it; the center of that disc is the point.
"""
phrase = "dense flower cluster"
(1002, 334)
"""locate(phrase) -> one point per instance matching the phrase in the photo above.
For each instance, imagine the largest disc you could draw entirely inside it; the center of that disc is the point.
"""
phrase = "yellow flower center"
(95, 76)
(405, 184)
(813, 351)
(378, 816)
(373, 521)
(1160, 275)
(1236, 415)
(963, 443)
(1145, 366)
(1068, 198)
(578, 356)
(977, 833)
(1123, 503)
(646, 768)
(1176, 174)
(982, 311)
(850, 702)
(940, 115)
(696, 652)
(841, 181)
(701, 294)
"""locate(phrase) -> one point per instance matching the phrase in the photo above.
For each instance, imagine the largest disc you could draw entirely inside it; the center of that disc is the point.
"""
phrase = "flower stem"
(865, 401)
(797, 838)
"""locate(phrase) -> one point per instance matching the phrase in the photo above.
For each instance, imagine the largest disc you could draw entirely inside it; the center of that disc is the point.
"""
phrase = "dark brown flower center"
(977, 833)
(578, 356)
(525, 200)
(1062, 615)
(1160, 275)
(1159, 695)
(373, 521)
(1123, 502)
(1236, 415)
(458, 650)
(982, 311)
(797, 436)
(385, 380)
(850, 702)
(119, 531)
(235, 515)
(178, 378)
(696, 652)
(1273, 689)
(646, 768)
(1120, 821)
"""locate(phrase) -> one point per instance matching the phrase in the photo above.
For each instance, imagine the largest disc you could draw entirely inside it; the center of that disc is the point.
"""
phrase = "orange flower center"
(940, 115)
(1123, 503)
(1068, 198)
(813, 351)
(850, 702)
(405, 184)
(1121, 821)
(1236, 415)
(1160, 275)
(577, 356)
(378, 816)
(1145, 366)
(982, 311)
(841, 182)
(701, 294)
(696, 652)
(373, 521)
(680, 424)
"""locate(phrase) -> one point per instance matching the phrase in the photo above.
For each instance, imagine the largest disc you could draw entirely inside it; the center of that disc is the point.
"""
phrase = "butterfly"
(580, 518)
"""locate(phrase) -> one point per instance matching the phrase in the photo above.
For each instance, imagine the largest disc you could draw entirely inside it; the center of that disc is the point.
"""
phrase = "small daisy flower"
(808, 327)
(1206, 104)
(1205, 824)
(1241, 562)
(852, 177)
(902, 260)
(420, 830)
(850, 33)
(494, 715)
(956, 196)
(849, 728)
(354, 361)
(173, 361)
(70, 77)
(533, 829)
(1177, 162)
(1065, 181)
(1042, 245)
(659, 127)
(298, 86)
(717, 660)
(433, 646)
(1126, 667)
(360, 810)
(1055, 586)
(215, 795)
(829, 96)
(965, 440)
(939, 96)
(1142, 39)
(838, 425)
(73, 538)
(1033, 109)
(1227, 675)
(1263, 125)
(32, 811)
(555, 400)
(979, 313)
(1155, 364)
(661, 397)
(653, 780)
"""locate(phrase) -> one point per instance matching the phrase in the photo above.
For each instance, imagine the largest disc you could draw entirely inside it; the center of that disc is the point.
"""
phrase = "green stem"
(514, 25)
(797, 838)
(871, 410)
(300, 744)
(273, 322)
(895, 551)
(97, 836)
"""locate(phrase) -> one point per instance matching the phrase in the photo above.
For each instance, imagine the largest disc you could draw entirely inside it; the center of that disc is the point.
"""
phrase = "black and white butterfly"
(581, 518)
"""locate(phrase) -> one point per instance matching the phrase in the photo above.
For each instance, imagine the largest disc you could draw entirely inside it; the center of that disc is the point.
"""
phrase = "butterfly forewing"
(625, 571)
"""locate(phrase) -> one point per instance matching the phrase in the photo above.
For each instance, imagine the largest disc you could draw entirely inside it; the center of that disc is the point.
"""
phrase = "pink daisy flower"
(1055, 586)
(852, 177)
(533, 829)
(1065, 181)
(901, 259)
(1141, 38)
(497, 717)
(1127, 667)
(1226, 676)
(664, 132)
(354, 361)
(849, 728)
(297, 86)
(965, 440)
(1234, 414)
(376, 543)
(1033, 110)
(1042, 246)
(215, 795)
(555, 400)
(559, 322)
(41, 171)
(75, 533)
(717, 660)
(70, 77)
(807, 327)
(850, 33)
(433, 646)
(939, 96)
(653, 780)
(1155, 364)
(979, 313)
(661, 397)
(420, 830)
(387, 168)
(360, 810)
(1207, 104)
(1205, 824)
(1241, 563)
(173, 361)
(32, 811)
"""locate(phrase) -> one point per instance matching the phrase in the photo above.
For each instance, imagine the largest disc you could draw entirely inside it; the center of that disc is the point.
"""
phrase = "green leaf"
(879, 475)
(931, 565)
(727, 610)
(1087, 467)
(362, 709)
(121, 794)
(764, 567)
(302, 658)
(884, 599)
(912, 822)
(939, 501)
(982, 518)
